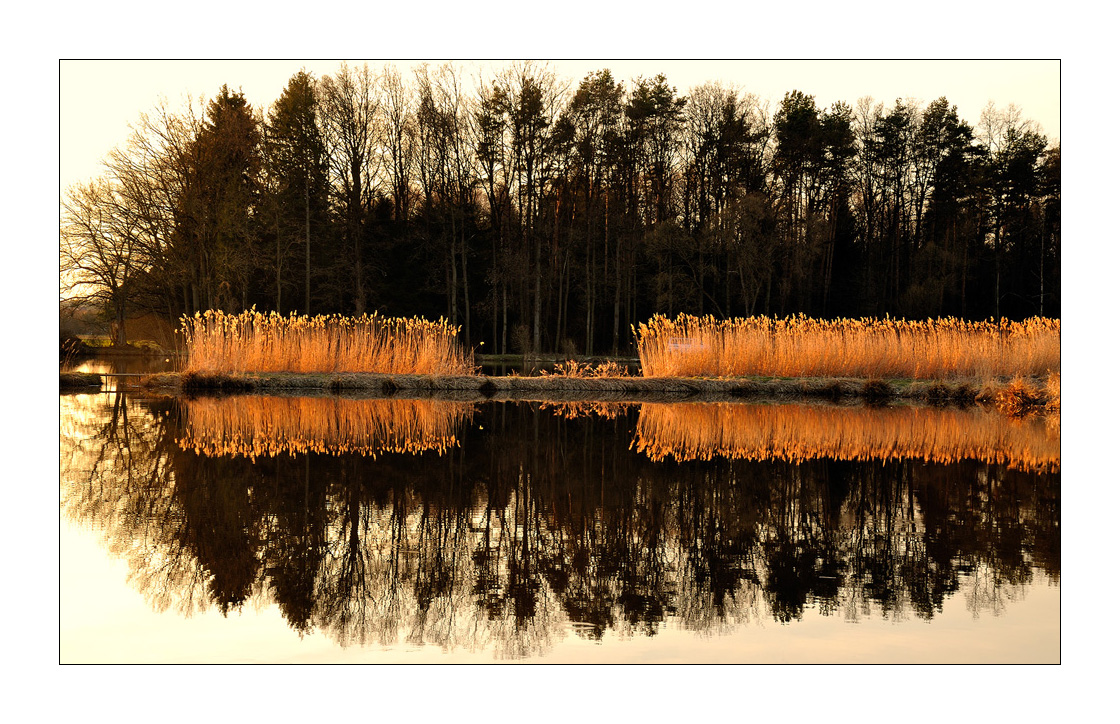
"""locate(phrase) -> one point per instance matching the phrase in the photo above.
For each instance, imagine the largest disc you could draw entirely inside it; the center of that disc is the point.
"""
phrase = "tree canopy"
(549, 215)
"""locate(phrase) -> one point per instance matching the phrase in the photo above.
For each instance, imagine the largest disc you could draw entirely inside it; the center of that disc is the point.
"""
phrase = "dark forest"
(542, 214)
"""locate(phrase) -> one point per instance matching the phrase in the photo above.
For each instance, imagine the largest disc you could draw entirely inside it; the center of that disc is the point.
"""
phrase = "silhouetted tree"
(349, 108)
(568, 215)
(296, 165)
(100, 250)
(216, 225)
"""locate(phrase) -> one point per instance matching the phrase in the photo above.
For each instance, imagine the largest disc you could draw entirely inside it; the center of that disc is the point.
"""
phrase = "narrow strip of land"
(564, 388)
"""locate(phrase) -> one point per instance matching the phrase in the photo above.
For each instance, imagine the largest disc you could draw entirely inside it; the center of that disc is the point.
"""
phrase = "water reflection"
(118, 370)
(134, 364)
(807, 432)
(518, 524)
(268, 425)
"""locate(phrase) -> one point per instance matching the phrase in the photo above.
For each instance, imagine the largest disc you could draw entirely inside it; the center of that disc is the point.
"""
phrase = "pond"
(117, 368)
(335, 529)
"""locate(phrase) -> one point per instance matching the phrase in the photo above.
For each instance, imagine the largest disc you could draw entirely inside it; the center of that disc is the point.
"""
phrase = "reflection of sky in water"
(104, 621)
(538, 536)
(126, 364)
(111, 366)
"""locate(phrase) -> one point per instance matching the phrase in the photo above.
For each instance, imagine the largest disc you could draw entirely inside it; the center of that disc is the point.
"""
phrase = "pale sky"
(99, 99)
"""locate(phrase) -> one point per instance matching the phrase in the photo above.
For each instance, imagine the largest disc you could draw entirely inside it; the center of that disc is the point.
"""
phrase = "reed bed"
(252, 341)
(703, 431)
(799, 346)
(266, 426)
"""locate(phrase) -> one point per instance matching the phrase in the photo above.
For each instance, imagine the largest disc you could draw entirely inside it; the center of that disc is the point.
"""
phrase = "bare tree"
(350, 106)
(532, 97)
(446, 175)
(489, 142)
(99, 250)
(152, 171)
(399, 138)
(1014, 145)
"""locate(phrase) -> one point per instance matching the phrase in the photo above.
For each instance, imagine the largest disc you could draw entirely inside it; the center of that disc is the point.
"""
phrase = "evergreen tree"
(296, 163)
(217, 212)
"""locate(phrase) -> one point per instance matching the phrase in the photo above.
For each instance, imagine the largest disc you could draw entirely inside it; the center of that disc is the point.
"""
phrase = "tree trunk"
(1041, 269)
(589, 265)
(355, 212)
(120, 336)
(466, 286)
(307, 245)
(494, 288)
(278, 290)
(505, 316)
(617, 297)
(278, 247)
(562, 303)
(453, 270)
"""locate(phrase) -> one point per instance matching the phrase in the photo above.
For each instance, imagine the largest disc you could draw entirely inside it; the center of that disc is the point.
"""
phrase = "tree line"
(545, 216)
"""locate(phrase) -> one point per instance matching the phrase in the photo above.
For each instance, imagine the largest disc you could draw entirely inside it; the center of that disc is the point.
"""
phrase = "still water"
(329, 529)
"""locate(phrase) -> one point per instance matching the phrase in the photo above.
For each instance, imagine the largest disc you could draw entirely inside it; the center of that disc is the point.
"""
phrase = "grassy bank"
(1016, 396)
(70, 381)
(1012, 365)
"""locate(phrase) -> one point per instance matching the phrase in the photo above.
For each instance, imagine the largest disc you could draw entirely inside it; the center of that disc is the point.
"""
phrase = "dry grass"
(1021, 397)
(1054, 392)
(697, 431)
(587, 371)
(260, 426)
(578, 409)
(869, 348)
(254, 342)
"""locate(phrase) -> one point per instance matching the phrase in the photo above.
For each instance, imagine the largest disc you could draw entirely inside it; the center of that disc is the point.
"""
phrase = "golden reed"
(256, 342)
(703, 431)
(874, 348)
(588, 408)
(266, 426)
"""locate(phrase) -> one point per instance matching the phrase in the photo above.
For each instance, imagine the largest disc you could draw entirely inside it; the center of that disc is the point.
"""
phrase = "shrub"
(571, 368)
(938, 393)
(1054, 392)
(876, 391)
(1019, 397)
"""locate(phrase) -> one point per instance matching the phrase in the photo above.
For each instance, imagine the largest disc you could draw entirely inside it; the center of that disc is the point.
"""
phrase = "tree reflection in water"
(503, 526)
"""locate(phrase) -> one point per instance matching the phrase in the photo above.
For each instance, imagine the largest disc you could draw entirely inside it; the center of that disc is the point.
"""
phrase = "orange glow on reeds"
(802, 347)
(257, 426)
(257, 342)
(699, 431)
(576, 410)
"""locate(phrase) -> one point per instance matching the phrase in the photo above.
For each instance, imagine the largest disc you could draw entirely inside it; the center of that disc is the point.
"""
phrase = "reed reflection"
(268, 425)
(703, 431)
(535, 526)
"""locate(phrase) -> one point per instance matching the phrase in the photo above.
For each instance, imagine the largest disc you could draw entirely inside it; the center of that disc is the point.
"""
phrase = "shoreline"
(962, 392)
